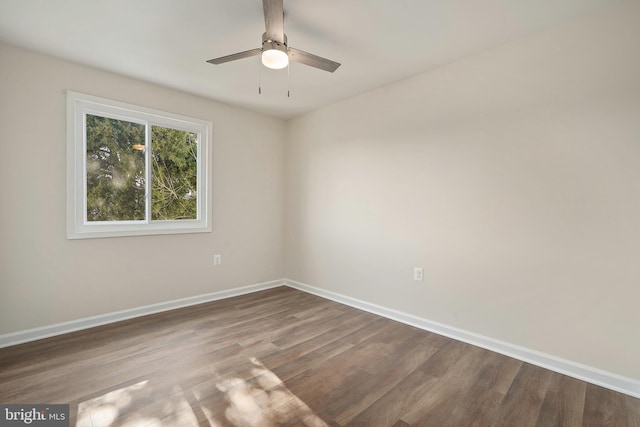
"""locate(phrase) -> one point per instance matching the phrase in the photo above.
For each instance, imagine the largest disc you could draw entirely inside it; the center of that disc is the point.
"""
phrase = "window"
(135, 171)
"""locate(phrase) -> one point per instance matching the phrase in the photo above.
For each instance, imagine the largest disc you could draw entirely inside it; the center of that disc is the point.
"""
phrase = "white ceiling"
(377, 41)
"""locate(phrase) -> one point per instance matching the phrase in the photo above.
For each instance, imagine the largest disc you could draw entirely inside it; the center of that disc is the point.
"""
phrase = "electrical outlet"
(217, 259)
(418, 274)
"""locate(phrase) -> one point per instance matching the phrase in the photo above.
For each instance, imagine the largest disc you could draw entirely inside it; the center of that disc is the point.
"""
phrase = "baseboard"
(586, 373)
(103, 319)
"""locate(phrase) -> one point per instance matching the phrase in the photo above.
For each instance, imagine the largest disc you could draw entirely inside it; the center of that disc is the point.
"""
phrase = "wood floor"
(282, 357)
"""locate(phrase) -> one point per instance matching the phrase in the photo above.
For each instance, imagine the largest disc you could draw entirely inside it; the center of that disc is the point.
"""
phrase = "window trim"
(78, 105)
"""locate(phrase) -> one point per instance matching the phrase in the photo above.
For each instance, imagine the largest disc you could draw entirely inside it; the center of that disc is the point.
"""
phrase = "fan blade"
(274, 20)
(312, 60)
(235, 56)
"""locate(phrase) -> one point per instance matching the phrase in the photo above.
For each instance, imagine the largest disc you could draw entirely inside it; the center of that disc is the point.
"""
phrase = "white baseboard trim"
(102, 319)
(586, 373)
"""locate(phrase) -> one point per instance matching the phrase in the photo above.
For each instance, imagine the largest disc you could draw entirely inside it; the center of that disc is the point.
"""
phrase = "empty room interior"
(362, 213)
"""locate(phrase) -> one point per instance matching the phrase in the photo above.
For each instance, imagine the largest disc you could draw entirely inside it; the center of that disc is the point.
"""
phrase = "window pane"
(174, 174)
(115, 170)
(112, 171)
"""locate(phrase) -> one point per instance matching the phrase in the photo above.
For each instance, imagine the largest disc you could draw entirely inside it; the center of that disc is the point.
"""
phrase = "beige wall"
(46, 279)
(512, 177)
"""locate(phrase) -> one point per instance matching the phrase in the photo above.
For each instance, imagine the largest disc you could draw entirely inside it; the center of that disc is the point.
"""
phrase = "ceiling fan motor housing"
(268, 44)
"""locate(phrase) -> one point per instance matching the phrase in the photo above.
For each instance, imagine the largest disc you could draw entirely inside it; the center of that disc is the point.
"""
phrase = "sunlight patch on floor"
(105, 409)
(265, 401)
(261, 399)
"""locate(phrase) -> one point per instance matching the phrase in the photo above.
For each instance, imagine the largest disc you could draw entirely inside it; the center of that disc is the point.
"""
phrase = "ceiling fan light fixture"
(275, 58)
(274, 55)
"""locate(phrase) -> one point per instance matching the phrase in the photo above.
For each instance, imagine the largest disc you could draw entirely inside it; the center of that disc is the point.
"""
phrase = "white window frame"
(78, 106)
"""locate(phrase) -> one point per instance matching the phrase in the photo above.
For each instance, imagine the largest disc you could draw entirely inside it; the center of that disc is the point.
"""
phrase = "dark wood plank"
(604, 408)
(393, 364)
(447, 403)
(498, 372)
(479, 407)
(563, 404)
(413, 390)
(522, 403)
(633, 411)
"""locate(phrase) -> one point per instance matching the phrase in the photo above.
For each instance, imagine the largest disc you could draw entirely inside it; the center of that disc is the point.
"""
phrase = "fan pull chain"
(288, 79)
(259, 75)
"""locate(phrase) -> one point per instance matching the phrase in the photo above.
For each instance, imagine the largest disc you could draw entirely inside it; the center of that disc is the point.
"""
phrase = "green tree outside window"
(116, 171)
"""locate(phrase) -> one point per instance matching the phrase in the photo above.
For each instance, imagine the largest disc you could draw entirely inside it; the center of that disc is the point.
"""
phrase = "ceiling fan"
(275, 51)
